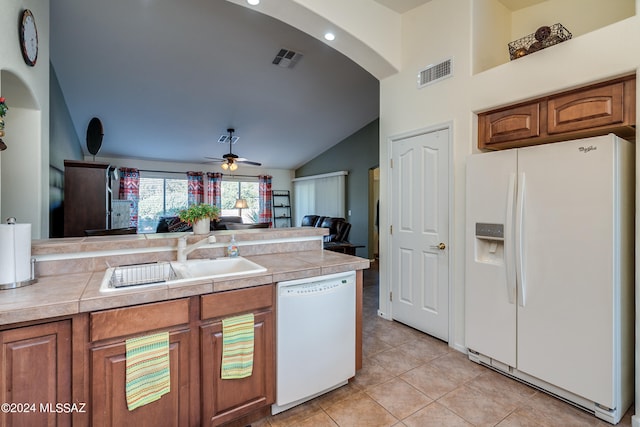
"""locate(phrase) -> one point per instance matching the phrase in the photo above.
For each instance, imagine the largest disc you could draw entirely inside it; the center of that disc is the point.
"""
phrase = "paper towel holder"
(21, 283)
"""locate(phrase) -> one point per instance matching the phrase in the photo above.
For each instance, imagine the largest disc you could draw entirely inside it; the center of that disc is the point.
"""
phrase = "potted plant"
(199, 217)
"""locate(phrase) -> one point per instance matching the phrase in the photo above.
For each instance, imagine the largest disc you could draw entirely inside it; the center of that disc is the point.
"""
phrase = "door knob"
(440, 246)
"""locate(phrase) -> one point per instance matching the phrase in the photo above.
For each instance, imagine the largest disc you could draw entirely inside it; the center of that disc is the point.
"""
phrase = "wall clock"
(28, 38)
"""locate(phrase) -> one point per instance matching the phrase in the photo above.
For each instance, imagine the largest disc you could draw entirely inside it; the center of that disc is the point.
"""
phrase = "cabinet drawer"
(133, 320)
(513, 124)
(603, 106)
(238, 301)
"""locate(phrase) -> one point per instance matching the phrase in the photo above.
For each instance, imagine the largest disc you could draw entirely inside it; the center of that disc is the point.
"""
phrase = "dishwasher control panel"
(312, 288)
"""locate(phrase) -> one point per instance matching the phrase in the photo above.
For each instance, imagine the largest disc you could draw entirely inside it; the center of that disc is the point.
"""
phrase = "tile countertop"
(68, 294)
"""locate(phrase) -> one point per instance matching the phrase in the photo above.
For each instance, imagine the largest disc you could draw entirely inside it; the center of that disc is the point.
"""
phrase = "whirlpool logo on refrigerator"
(585, 150)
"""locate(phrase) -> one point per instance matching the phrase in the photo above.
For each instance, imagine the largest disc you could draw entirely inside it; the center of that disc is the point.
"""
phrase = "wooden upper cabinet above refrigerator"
(608, 107)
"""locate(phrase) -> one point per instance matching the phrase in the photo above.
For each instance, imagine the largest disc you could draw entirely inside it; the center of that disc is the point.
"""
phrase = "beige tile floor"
(414, 380)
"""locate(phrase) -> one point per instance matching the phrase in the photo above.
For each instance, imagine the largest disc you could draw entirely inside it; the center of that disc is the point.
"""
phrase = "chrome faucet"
(184, 250)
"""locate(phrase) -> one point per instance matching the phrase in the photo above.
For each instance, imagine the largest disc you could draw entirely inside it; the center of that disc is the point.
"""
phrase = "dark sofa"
(339, 228)
(170, 224)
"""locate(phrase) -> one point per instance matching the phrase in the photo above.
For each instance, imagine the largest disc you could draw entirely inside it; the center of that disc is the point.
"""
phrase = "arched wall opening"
(23, 130)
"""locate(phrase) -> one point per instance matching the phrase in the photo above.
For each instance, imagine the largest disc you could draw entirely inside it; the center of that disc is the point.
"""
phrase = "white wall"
(24, 165)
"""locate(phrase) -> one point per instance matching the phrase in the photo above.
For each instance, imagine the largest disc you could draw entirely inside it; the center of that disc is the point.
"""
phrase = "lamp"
(241, 204)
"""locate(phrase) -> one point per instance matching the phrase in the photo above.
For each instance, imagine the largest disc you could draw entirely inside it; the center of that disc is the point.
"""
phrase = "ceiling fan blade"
(215, 159)
(248, 162)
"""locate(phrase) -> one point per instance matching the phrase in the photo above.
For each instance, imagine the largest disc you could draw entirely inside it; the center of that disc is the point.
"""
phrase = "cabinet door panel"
(602, 106)
(224, 400)
(514, 124)
(108, 378)
(36, 369)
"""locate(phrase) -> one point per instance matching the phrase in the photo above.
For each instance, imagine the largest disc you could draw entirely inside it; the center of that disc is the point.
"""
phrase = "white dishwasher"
(316, 337)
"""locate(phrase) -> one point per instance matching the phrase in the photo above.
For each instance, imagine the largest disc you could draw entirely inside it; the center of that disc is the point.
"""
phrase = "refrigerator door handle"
(519, 243)
(509, 241)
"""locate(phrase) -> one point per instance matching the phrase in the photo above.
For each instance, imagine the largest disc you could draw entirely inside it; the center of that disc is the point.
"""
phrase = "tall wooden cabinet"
(87, 197)
(35, 365)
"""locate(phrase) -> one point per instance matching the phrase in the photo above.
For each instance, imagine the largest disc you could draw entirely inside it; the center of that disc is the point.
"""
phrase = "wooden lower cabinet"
(198, 395)
(108, 331)
(224, 400)
(36, 375)
(108, 399)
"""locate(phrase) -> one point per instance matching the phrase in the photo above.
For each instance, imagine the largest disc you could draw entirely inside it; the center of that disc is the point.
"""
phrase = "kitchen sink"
(216, 268)
(158, 273)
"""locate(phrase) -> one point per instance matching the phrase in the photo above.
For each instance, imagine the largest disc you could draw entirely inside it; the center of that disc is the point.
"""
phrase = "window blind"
(319, 195)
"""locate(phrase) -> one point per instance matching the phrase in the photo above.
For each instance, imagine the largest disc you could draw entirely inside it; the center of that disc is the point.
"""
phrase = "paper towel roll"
(15, 253)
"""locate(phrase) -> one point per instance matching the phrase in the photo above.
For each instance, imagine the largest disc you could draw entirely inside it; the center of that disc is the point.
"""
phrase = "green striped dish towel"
(147, 369)
(237, 347)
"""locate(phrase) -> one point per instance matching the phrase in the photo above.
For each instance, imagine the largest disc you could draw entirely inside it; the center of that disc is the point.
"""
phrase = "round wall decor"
(28, 38)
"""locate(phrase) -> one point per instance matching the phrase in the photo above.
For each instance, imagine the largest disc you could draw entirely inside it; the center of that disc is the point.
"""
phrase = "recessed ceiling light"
(253, 2)
(330, 36)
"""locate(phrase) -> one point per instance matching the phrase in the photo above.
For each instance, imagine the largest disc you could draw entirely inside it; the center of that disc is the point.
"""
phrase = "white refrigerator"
(549, 268)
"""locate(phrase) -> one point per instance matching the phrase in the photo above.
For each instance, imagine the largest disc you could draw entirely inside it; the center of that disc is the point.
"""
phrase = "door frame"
(385, 306)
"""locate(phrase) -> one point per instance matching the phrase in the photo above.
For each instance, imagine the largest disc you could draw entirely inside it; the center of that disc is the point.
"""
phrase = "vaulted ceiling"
(167, 78)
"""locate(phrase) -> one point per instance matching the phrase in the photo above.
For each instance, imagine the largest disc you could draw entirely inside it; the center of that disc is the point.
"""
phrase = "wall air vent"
(435, 72)
(287, 58)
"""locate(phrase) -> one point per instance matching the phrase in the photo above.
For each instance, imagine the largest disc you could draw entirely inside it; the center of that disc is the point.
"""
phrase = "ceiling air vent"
(287, 58)
(435, 72)
(224, 139)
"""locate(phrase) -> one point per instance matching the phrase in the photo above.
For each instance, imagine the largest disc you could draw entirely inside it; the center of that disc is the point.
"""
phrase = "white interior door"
(420, 230)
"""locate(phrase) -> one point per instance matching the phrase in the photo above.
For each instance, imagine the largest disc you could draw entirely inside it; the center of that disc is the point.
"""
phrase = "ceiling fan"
(230, 161)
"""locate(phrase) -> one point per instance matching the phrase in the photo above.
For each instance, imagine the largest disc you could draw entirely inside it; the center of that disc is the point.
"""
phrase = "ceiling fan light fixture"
(233, 166)
(253, 2)
(225, 166)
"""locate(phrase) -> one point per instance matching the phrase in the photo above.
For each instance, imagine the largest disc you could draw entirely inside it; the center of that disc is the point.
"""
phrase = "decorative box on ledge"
(542, 38)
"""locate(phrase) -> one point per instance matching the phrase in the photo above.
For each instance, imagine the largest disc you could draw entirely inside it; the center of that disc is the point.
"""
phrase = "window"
(164, 196)
(320, 195)
(159, 197)
(233, 190)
